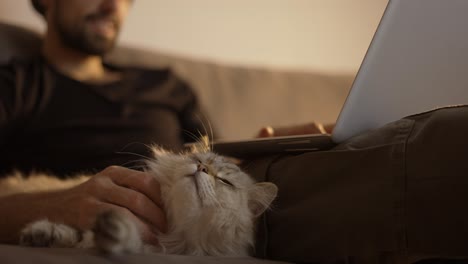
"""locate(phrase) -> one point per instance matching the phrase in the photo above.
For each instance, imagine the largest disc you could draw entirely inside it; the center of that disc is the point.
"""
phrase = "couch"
(237, 100)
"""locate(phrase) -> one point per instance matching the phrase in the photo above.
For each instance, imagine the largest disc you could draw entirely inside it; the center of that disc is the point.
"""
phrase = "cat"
(211, 207)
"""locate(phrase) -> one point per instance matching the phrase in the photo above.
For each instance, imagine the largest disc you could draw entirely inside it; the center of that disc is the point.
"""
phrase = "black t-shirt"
(51, 123)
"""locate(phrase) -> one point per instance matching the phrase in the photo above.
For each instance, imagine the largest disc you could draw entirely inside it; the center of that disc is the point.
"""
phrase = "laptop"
(417, 61)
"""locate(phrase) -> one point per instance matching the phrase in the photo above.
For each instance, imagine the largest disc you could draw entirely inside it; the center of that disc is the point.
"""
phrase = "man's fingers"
(309, 128)
(136, 180)
(329, 128)
(137, 191)
(139, 204)
(267, 131)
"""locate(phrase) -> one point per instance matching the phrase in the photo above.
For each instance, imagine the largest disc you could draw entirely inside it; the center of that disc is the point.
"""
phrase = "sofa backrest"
(237, 100)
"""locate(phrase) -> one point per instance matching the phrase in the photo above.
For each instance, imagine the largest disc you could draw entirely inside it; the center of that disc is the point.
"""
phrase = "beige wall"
(325, 35)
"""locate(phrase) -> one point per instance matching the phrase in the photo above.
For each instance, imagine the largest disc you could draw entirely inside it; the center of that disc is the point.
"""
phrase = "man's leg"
(387, 196)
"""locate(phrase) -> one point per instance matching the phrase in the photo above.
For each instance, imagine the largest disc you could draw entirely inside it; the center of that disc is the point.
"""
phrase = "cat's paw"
(115, 233)
(46, 234)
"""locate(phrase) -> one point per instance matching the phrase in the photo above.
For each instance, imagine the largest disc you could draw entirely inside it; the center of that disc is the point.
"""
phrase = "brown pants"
(398, 194)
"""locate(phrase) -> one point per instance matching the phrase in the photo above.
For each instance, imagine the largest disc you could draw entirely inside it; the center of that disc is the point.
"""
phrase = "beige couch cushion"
(16, 254)
(237, 100)
(17, 41)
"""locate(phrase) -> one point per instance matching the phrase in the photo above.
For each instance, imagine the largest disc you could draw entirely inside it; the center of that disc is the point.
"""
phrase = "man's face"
(89, 26)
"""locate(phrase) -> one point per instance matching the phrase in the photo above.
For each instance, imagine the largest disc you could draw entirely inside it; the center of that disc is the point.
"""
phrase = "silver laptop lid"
(417, 61)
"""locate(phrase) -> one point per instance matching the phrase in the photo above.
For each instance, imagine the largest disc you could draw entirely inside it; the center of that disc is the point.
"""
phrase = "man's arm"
(115, 188)
(133, 193)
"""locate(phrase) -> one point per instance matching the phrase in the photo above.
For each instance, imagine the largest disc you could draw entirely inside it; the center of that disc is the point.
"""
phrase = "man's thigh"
(389, 195)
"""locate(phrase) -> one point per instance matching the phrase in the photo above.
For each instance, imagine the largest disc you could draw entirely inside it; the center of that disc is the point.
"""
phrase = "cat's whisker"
(210, 133)
(202, 123)
(140, 167)
(143, 159)
(210, 140)
(134, 154)
(134, 143)
(203, 141)
(150, 147)
(133, 167)
(192, 135)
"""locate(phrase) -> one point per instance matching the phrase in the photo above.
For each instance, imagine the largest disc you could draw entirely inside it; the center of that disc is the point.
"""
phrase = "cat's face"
(209, 198)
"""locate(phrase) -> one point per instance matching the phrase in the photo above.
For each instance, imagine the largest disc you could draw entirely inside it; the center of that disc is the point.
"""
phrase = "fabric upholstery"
(16, 254)
(238, 100)
(17, 41)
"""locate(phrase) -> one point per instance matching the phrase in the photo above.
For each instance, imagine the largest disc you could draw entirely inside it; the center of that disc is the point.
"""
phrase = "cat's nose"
(202, 168)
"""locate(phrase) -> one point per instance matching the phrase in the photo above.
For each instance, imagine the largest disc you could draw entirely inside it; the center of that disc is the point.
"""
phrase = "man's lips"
(103, 25)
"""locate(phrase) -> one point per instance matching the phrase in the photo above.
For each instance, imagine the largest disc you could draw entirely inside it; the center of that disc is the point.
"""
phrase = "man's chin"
(100, 47)
(99, 50)
(88, 40)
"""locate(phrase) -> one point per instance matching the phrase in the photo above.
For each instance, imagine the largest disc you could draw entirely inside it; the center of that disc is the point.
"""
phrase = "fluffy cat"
(210, 204)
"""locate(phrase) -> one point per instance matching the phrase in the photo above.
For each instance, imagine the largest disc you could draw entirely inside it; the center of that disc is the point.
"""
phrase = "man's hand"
(133, 193)
(309, 128)
(130, 192)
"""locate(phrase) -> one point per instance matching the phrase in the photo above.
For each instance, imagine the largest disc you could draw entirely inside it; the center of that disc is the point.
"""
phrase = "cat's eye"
(224, 181)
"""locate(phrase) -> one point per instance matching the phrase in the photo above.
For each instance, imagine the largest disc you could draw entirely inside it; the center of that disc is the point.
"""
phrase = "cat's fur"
(210, 204)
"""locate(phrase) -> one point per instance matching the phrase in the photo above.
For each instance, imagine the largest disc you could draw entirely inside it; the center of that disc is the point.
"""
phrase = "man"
(75, 101)
(66, 112)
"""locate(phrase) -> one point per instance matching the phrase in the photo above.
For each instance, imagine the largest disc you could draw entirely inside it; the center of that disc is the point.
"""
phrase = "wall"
(323, 35)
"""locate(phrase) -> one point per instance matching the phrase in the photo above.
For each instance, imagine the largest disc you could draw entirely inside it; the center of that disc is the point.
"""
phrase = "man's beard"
(77, 38)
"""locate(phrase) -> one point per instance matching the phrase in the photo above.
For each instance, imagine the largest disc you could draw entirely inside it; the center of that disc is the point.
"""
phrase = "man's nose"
(112, 6)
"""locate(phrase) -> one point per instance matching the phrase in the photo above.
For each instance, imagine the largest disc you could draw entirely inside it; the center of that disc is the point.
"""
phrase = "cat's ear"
(261, 196)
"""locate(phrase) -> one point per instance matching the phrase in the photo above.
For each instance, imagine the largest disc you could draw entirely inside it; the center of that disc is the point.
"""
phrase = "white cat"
(210, 204)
